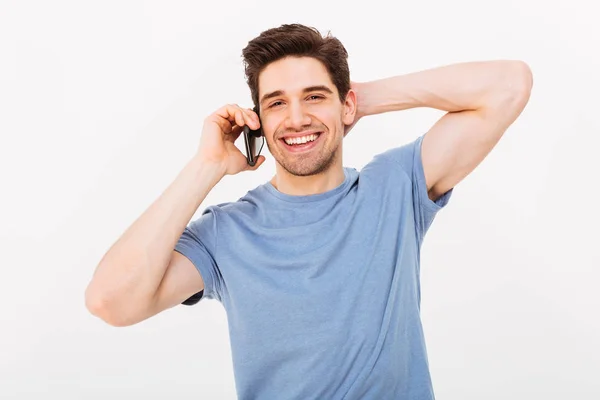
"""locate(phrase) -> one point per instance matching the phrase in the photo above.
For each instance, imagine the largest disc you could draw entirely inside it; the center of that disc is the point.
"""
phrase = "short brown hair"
(296, 40)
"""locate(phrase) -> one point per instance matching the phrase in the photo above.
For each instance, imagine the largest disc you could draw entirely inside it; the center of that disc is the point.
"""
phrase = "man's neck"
(294, 185)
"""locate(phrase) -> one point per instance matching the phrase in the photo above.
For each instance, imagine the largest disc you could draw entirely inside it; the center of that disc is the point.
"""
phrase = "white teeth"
(301, 140)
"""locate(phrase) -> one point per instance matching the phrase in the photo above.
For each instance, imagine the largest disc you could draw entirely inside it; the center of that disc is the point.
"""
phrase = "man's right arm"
(142, 274)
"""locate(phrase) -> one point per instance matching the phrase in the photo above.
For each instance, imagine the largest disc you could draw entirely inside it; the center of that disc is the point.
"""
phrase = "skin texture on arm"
(482, 100)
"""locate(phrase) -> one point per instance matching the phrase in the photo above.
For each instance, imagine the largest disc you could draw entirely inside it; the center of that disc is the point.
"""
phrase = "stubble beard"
(309, 164)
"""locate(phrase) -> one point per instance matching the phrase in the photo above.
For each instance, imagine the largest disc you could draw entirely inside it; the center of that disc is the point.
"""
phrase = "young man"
(318, 269)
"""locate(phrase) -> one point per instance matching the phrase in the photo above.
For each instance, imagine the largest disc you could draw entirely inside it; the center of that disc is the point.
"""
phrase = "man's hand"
(220, 131)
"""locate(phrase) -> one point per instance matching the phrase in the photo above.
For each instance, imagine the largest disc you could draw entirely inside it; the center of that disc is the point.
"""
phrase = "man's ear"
(350, 114)
(350, 107)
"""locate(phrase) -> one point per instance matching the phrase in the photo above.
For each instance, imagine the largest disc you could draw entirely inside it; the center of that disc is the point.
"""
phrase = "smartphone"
(254, 141)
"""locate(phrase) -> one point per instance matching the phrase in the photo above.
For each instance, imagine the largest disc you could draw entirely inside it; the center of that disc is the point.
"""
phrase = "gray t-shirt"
(322, 291)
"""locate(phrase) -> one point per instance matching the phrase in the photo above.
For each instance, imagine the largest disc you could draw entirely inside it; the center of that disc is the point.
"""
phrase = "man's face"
(301, 114)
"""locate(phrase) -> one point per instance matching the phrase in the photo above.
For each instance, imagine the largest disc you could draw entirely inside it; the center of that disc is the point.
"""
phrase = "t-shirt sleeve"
(408, 158)
(198, 243)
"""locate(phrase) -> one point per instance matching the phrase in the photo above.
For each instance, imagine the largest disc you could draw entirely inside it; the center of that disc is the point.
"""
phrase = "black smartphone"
(254, 141)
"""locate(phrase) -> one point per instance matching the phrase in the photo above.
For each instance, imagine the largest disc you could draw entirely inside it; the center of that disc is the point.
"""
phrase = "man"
(318, 269)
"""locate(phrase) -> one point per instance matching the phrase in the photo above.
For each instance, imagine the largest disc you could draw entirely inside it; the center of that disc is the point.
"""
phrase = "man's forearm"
(456, 87)
(130, 272)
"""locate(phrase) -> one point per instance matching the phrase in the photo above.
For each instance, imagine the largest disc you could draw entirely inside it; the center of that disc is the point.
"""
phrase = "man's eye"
(314, 96)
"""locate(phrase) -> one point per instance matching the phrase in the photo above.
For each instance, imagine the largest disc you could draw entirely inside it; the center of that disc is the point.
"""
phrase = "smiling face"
(302, 117)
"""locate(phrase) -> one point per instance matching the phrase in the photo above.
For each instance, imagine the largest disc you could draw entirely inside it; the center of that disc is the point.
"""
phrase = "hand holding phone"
(220, 131)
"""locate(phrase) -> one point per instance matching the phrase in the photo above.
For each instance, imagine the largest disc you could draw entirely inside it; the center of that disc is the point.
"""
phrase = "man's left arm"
(482, 100)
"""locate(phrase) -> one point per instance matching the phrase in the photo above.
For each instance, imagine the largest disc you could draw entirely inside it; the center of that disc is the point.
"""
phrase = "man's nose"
(297, 118)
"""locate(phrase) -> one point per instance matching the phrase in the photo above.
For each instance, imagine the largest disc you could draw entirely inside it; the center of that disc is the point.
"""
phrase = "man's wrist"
(211, 172)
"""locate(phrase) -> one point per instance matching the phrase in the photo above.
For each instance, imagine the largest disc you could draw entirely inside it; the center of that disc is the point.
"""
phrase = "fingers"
(235, 132)
(240, 117)
(250, 118)
(236, 115)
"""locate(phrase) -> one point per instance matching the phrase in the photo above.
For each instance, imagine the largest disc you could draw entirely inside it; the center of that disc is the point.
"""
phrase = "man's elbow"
(524, 78)
(518, 81)
(100, 307)
(512, 89)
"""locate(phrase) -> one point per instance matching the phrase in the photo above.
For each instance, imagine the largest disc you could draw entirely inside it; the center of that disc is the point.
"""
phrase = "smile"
(302, 143)
(301, 140)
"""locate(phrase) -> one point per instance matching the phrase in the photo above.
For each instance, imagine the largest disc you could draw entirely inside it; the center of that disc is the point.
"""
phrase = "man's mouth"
(301, 143)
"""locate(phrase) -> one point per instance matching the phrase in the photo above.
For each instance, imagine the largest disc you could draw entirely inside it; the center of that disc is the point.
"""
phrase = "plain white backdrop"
(102, 104)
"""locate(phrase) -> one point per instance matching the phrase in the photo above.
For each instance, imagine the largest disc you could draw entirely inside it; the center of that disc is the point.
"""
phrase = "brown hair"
(297, 41)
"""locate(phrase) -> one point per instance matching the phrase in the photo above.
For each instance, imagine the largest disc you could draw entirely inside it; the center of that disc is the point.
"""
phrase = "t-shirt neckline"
(311, 197)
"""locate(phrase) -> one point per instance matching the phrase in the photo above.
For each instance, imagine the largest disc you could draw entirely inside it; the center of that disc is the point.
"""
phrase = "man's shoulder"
(251, 199)
(385, 165)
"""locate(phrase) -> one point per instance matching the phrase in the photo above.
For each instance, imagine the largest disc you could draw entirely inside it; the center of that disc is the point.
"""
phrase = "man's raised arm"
(482, 98)
(140, 275)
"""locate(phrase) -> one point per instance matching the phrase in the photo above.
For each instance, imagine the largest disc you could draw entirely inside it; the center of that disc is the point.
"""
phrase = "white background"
(102, 104)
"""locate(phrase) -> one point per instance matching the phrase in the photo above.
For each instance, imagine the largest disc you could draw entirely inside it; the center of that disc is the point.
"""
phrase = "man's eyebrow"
(315, 88)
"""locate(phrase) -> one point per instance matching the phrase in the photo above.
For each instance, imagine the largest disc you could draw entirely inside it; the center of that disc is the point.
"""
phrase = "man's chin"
(306, 168)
